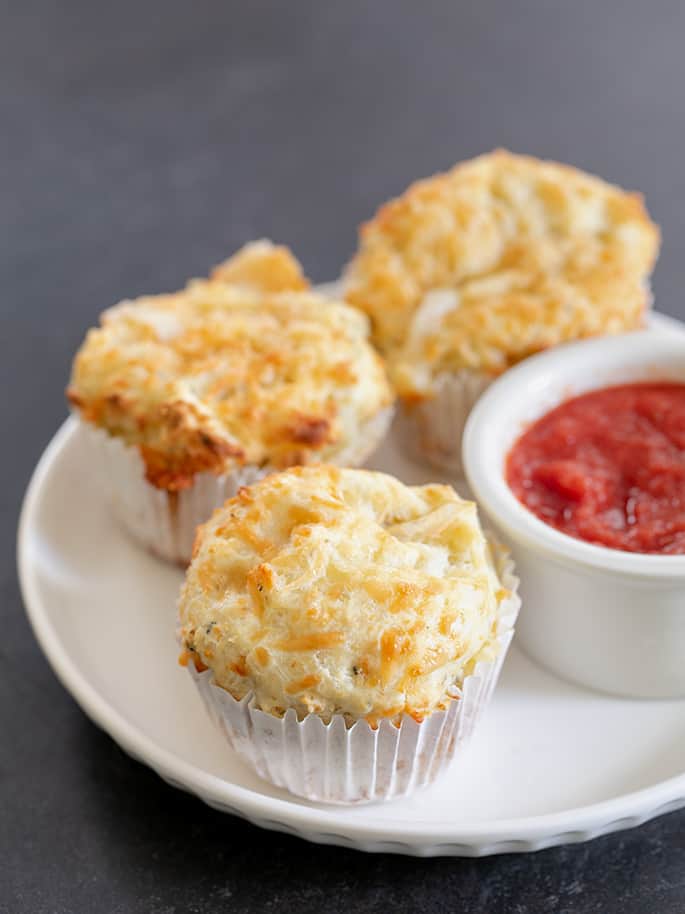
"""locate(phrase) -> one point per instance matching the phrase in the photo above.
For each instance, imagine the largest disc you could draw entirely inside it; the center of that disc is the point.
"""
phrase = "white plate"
(551, 763)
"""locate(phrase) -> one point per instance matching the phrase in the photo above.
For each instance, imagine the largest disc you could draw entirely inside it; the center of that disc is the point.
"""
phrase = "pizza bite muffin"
(345, 630)
(187, 396)
(469, 272)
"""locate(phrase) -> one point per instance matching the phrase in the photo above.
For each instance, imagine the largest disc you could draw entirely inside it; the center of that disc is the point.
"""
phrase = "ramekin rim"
(517, 522)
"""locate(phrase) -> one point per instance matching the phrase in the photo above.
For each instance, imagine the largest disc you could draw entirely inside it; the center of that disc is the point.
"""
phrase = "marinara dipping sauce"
(609, 467)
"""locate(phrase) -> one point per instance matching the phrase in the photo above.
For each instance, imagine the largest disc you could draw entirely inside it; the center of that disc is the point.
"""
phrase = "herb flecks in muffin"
(342, 592)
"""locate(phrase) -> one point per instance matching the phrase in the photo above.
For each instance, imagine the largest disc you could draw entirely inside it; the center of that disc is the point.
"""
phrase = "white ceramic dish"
(551, 763)
(605, 618)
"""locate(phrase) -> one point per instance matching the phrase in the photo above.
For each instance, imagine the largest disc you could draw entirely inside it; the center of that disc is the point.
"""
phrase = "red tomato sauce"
(608, 467)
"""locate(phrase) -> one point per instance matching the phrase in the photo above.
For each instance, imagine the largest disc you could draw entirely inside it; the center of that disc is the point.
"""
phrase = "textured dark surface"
(140, 143)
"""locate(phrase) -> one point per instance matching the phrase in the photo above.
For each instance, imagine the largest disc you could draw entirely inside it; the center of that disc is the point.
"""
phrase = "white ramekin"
(608, 619)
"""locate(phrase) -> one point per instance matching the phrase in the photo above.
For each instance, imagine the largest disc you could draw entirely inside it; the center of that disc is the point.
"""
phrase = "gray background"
(140, 144)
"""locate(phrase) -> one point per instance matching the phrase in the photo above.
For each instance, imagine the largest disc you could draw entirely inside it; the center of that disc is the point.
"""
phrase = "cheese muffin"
(323, 594)
(199, 391)
(471, 271)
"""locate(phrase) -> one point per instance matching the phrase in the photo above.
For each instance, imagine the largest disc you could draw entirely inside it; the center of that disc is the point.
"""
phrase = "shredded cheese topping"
(337, 591)
(499, 258)
(246, 367)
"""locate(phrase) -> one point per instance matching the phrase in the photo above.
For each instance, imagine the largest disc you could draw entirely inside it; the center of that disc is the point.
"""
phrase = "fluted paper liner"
(336, 763)
(433, 428)
(165, 522)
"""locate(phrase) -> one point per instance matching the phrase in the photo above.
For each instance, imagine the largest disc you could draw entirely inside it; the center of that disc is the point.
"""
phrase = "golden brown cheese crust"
(245, 368)
(337, 591)
(501, 257)
(263, 266)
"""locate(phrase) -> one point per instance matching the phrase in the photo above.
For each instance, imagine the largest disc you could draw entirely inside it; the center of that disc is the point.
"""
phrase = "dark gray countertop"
(141, 143)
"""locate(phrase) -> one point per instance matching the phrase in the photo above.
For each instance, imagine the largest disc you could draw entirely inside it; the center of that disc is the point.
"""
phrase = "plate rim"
(322, 824)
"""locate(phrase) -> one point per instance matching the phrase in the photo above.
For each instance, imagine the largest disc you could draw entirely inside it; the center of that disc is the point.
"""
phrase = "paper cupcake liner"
(433, 428)
(165, 522)
(337, 763)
